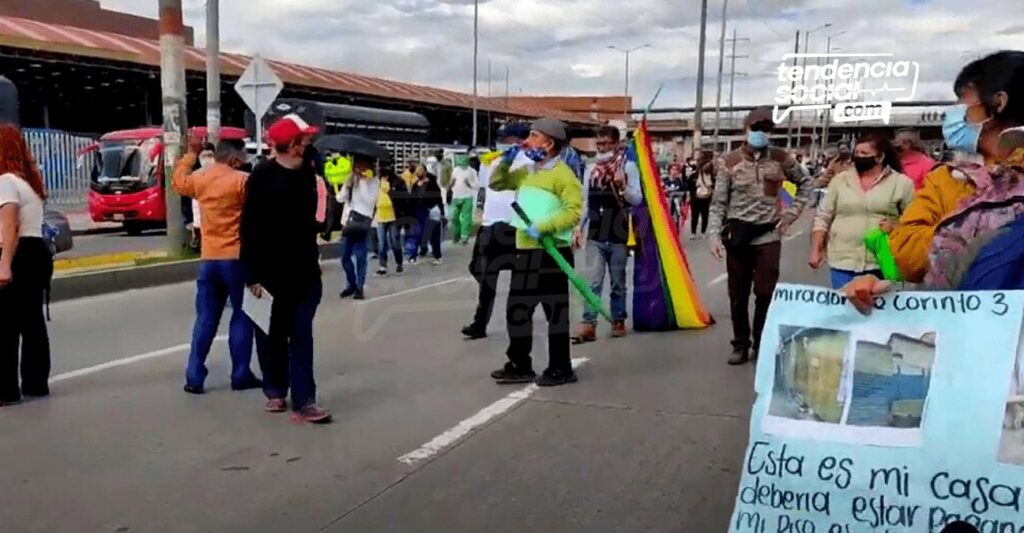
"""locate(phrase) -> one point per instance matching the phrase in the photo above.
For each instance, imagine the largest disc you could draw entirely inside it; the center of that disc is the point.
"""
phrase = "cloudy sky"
(560, 47)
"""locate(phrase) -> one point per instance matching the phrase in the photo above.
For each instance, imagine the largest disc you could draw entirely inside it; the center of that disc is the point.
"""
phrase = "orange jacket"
(220, 191)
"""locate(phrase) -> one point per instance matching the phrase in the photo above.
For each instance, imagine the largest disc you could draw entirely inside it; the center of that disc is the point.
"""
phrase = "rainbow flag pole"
(665, 296)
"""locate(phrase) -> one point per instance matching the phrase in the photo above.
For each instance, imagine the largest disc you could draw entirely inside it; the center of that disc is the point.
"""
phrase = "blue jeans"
(353, 260)
(415, 235)
(286, 354)
(388, 237)
(218, 281)
(611, 257)
(841, 277)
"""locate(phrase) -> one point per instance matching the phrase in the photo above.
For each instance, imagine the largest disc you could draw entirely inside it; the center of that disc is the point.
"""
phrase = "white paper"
(258, 309)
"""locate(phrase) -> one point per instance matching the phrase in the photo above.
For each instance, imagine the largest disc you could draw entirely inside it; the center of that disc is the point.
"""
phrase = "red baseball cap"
(288, 128)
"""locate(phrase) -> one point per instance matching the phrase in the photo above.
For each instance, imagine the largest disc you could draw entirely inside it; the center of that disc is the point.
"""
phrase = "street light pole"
(721, 66)
(628, 53)
(699, 105)
(828, 115)
(476, 45)
(213, 70)
(172, 86)
(807, 41)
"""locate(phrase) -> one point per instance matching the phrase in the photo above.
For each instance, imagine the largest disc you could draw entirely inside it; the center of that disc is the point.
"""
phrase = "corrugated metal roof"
(35, 35)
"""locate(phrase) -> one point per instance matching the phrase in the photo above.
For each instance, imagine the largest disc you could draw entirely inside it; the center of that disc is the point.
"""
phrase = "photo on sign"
(865, 385)
(1011, 444)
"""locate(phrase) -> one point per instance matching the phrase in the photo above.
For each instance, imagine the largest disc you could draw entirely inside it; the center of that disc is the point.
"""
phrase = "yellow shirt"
(385, 209)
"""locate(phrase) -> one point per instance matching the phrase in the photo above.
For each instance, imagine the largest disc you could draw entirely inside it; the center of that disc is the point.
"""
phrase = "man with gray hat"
(536, 277)
(747, 223)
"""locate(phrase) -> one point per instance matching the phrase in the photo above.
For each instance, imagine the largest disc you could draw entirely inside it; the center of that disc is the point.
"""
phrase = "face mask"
(605, 156)
(864, 164)
(536, 154)
(961, 135)
(504, 147)
(367, 173)
(205, 162)
(757, 139)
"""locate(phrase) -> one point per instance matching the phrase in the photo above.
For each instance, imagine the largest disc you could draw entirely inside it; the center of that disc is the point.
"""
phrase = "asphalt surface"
(650, 439)
(115, 242)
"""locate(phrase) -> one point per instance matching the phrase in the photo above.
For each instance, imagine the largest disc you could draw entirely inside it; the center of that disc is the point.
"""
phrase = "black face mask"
(864, 164)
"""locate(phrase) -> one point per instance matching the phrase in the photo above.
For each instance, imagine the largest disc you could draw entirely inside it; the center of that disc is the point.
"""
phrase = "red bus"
(128, 182)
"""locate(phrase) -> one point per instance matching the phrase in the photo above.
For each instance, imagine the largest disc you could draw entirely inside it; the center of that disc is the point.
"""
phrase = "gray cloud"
(560, 46)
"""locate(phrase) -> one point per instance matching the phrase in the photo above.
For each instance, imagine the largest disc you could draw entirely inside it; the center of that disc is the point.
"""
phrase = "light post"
(807, 39)
(476, 48)
(627, 53)
(828, 114)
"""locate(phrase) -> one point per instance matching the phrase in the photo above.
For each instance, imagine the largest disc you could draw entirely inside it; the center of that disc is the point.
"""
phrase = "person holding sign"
(552, 196)
(872, 193)
(747, 224)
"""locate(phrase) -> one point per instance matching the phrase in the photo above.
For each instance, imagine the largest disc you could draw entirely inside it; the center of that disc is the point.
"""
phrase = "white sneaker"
(438, 262)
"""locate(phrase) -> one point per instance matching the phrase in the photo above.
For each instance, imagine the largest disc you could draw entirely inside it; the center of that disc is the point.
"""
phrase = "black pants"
(699, 209)
(493, 251)
(23, 325)
(432, 230)
(747, 266)
(537, 280)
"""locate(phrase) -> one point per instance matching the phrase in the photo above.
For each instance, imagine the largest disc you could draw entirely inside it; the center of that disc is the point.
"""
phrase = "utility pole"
(732, 70)
(698, 107)
(172, 85)
(803, 64)
(792, 86)
(213, 70)
(721, 64)
(476, 45)
(490, 125)
(507, 69)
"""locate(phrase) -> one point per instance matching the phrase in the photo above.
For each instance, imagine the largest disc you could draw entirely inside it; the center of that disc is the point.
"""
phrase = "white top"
(498, 204)
(14, 190)
(363, 199)
(464, 183)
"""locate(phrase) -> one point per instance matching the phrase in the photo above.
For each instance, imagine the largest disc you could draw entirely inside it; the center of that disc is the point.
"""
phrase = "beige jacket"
(848, 212)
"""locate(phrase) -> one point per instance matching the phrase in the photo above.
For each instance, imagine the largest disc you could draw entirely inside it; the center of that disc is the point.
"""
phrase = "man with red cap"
(280, 257)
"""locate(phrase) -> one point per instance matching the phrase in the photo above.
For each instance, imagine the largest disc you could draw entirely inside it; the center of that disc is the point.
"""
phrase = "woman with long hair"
(360, 196)
(872, 194)
(25, 270)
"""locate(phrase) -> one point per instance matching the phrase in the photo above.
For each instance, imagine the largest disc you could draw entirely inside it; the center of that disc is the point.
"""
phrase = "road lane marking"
(220, 338)
(793, 236)
(414, 289)
(126, 361)
(718, 279)
(470, 424)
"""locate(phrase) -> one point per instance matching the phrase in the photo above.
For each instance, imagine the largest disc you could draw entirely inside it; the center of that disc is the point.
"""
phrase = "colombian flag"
(665, 295)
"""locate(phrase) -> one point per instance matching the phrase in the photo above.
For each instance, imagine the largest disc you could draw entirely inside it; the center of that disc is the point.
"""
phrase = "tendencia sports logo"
(853, 87)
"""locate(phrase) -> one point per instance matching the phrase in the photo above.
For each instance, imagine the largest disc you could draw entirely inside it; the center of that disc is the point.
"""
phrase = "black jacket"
(428, 196)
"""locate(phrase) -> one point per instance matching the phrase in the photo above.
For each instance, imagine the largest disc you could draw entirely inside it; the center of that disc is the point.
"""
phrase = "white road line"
(220, 338)
(414, 289)
(126, 361)
(718, 279)
(470, 424)
(793, 236)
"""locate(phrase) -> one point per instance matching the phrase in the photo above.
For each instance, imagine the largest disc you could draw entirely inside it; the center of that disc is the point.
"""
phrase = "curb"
(74, 286)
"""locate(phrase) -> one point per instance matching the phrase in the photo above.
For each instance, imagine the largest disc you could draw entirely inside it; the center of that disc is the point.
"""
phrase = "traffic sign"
(259, 86)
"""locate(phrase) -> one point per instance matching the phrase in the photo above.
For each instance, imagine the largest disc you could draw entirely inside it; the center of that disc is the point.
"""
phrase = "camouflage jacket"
(748, 188)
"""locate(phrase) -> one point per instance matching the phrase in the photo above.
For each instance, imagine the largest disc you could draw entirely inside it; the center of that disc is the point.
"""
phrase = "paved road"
(650, 439)
(112, 243)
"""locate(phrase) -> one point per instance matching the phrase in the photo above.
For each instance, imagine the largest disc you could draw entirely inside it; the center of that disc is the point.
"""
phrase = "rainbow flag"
(665, 295)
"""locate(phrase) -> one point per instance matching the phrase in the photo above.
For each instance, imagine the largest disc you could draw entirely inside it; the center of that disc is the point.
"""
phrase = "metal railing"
(67, 182)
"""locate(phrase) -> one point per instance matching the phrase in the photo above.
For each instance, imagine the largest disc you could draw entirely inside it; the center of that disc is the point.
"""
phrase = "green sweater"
(559, 180)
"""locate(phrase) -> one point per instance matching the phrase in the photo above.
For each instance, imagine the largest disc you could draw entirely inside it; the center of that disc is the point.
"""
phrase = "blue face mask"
(757, 139)
(536, 154)
(961, 135)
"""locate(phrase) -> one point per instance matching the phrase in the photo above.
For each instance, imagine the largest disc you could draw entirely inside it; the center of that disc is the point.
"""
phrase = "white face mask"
(205, 162)
(605, 156)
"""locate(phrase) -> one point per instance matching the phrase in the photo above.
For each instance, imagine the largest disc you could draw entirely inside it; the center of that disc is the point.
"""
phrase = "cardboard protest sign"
(905, 420)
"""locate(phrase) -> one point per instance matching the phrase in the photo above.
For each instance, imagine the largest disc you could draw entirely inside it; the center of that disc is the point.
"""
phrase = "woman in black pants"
(431, 201)
(25, 270)
(700, 206)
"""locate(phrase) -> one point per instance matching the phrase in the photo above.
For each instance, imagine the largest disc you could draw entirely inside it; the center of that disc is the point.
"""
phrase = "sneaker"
(276, 405)
(473, 333)
(587, 333)
(348, 293)
(193, 389)
(554, 378)
(314, 414)
(374, 256)
(359, 295)
(399, 270)
(438, 262)
(41, 392)
(413, 261)
(382, 272)
(619, 329)
(739, 356)
(250, 383)
(510, 375)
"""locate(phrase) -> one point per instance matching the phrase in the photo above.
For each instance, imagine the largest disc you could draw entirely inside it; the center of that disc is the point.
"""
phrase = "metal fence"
(67, 183)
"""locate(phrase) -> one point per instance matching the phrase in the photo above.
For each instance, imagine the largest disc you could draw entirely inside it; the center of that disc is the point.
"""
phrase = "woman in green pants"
(464, 187)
